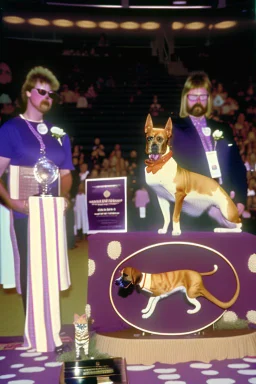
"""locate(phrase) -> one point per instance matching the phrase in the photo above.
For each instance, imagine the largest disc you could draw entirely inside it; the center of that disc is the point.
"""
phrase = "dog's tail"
(216, 301)
(210, 273)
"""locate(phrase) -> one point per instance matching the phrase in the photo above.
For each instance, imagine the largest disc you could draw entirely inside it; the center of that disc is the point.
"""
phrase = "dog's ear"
(168, 128)
(149, 124)
(135, 275)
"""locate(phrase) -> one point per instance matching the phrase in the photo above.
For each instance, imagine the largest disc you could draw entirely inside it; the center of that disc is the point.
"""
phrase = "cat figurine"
(81, 334)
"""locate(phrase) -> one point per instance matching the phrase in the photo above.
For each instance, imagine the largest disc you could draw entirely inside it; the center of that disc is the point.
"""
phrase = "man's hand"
(21, 206)
(240, 208)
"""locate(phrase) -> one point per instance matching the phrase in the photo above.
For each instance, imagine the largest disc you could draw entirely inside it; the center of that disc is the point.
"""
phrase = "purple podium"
(153, 253)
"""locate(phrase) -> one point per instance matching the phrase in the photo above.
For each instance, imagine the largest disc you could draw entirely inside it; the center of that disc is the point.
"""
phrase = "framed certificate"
(107, 204)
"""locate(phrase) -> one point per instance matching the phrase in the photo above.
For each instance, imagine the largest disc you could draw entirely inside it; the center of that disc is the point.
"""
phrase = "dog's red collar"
(154, 166)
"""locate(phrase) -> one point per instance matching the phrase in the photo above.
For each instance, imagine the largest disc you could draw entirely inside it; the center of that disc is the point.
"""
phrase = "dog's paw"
(145, 316)
(227, 230)
(144, 310)
(162, 231)
(176, 233)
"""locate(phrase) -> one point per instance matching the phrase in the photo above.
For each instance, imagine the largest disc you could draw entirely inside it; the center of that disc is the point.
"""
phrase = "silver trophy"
(45, 172)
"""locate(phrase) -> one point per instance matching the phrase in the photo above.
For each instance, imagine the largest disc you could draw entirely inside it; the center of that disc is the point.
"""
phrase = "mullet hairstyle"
(196, 80)
(44, 75)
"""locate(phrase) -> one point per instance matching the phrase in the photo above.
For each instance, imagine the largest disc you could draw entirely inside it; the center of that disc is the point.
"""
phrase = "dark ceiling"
(238, 8)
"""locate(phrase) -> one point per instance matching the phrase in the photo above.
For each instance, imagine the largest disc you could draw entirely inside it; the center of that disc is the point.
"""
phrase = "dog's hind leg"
(226, 225)
(150, 307)
(194, 302)
(165, 208)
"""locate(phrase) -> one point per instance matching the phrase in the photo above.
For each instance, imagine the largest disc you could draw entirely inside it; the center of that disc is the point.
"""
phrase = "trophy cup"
(45, 172)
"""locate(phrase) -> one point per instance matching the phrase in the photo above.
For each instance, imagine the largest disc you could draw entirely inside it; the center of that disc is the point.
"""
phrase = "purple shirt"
(200, 123)
(19, 144)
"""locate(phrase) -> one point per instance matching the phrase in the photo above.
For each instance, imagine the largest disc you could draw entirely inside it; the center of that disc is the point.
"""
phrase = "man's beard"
(44, 106)
(197, 110)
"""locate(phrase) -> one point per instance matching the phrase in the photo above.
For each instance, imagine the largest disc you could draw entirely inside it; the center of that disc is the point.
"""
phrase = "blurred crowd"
(233, 104)
(236, 106)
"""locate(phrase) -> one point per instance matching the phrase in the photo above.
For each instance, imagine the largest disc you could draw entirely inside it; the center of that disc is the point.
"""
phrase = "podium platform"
(153, 253)
(172, 335)
(121, 330)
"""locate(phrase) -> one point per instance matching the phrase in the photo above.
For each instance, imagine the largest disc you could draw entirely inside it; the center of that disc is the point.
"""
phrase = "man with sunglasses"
(195, 149)
(21, 139)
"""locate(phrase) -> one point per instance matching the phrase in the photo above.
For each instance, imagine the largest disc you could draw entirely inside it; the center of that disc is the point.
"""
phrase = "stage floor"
(21, 367)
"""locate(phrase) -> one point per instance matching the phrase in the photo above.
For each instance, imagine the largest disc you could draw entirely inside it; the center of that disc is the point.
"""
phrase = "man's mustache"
(46, 103)
(197, 105)
(199, 108)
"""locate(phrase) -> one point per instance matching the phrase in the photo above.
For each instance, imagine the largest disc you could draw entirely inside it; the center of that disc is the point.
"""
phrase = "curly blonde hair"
(196, 80)
(44, 75)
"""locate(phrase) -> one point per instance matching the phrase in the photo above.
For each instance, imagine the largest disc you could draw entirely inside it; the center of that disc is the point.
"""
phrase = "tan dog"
(162, 285)
(192, 192)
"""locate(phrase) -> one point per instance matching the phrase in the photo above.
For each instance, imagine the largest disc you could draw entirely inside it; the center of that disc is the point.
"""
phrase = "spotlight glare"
(129, 25)
(108, 25)
(14, 19)
(177, 25)
(86, 24)
(225, 24)
(195, 25)
(38, 21)
(63, 23)
(150, 25)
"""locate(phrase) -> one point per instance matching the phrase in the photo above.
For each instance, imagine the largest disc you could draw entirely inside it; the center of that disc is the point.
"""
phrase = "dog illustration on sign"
(192, 192)
(162, 285)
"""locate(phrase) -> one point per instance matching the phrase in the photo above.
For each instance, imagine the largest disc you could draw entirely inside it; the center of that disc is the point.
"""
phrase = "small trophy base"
(112, 370)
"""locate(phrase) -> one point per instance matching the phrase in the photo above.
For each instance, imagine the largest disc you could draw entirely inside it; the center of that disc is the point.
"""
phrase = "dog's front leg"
(145, 310)
(179, 197)
(165, 208)
(151, 307)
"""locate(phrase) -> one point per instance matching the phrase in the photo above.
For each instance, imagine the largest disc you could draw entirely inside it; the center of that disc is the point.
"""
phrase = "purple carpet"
(239, 371)
(21, 367)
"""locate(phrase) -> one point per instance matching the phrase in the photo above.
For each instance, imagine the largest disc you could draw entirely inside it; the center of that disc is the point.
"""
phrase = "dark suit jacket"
(189, 153)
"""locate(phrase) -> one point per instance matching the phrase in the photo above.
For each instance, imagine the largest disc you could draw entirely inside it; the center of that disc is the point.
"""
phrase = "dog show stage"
(147, 349)
(173, 332)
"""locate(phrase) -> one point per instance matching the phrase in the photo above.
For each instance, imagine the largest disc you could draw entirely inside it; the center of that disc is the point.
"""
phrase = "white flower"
(217, 135)
(57, 132)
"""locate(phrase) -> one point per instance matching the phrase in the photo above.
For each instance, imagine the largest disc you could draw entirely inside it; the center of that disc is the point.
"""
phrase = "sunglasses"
(53, 95)
(196, 97)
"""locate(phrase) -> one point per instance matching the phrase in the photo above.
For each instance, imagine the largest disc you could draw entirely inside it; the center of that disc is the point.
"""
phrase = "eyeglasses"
(53, 95)
(196, 97)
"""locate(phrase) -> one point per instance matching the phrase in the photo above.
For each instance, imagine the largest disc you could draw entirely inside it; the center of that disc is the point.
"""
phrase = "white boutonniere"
(217, 135)
(58, 133)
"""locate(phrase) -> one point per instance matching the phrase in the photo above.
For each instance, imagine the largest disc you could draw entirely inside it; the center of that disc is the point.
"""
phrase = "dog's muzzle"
(122, 283)
(154, 149)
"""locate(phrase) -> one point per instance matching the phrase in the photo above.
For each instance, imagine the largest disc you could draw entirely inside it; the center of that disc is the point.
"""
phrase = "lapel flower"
(58, 133)
(217, 135)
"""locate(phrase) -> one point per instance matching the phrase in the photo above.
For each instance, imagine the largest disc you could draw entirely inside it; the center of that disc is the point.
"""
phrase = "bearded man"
(205, 146)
